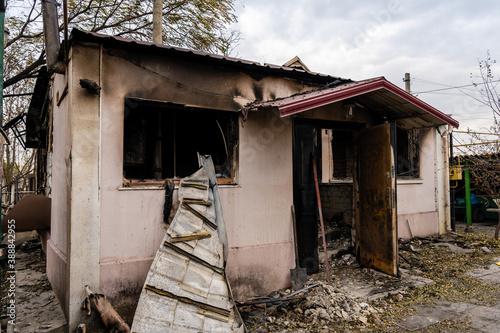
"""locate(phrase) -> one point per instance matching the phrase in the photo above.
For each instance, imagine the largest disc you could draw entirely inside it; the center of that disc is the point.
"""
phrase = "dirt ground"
(363, 300)
(436, 285)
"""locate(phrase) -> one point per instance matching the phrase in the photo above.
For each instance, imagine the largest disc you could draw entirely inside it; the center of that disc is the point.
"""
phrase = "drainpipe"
(468, 206)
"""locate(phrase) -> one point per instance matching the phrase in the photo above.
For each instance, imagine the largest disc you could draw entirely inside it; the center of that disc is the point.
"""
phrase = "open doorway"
(357, 190)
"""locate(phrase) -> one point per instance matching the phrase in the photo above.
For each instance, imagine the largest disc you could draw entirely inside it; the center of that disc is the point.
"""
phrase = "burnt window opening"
(162, 141)
(408, 153)
(337, 155)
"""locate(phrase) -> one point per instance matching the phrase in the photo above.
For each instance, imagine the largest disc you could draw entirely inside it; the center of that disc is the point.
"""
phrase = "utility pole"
(157, 21)
(407, 82)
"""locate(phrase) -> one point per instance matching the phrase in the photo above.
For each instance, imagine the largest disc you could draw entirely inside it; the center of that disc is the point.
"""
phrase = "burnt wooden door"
(304, 196)
(376, 230)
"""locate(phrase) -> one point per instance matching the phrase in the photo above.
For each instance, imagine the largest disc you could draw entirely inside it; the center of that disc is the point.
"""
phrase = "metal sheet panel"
(376, 243)
(186, 289)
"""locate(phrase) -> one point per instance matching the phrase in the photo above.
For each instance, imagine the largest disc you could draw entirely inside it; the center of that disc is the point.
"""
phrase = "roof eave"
(297, 104)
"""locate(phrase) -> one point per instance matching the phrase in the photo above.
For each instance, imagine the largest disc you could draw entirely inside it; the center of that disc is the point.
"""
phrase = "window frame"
(408, 152)
(134, 102)
(328, 158)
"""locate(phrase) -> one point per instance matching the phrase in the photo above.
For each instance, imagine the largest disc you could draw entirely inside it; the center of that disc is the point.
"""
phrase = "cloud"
(437, 42)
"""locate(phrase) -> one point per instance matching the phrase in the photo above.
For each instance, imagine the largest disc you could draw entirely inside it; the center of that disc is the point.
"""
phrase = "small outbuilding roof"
(377, 95)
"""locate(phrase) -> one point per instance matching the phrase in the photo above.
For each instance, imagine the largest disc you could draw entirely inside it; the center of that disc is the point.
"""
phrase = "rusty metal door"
(376, 230)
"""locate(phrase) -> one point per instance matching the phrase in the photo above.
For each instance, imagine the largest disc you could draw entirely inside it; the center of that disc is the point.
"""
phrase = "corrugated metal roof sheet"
(78, 35)
(186, 288)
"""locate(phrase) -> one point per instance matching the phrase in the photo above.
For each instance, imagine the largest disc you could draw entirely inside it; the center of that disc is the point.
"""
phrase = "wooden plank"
(190, 237)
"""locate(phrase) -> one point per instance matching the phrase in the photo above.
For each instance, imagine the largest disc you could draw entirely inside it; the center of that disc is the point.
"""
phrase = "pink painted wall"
(256, 210)
(58, 242)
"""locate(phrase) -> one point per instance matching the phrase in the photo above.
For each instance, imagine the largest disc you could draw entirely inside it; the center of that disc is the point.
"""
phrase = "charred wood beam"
(190, 237)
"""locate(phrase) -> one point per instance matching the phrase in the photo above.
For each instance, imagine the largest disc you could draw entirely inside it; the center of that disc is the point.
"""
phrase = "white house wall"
(418, 203)
(108, 234)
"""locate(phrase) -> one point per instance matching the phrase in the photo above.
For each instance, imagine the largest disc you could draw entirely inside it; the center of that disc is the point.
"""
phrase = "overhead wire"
(448, 87)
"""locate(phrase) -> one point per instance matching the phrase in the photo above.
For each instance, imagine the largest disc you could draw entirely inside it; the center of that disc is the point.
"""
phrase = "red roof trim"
(300, 103)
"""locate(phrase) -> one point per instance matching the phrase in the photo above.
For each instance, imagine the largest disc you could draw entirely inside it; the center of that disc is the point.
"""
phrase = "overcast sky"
(437, 42)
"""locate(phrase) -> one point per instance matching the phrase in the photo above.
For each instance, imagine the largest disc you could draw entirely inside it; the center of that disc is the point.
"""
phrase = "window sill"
(409, 181)
(156, 186)
(338, 181)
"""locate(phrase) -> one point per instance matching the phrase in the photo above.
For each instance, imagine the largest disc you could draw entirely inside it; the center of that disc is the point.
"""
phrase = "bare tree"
(197, 24)
(482, 153)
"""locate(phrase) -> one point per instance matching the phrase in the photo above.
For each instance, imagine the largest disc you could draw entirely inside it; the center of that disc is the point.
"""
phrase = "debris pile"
(339, 245)
(326, 303)
(318, 304)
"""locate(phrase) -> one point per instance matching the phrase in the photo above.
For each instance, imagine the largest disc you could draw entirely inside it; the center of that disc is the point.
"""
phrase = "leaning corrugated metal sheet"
(186, 289)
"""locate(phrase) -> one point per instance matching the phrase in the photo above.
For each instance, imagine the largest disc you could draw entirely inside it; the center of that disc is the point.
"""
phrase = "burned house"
(108, 144)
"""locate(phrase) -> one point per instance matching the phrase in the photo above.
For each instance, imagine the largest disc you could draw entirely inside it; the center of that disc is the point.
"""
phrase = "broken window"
(408, 153)
(161, 140)
(337, 155)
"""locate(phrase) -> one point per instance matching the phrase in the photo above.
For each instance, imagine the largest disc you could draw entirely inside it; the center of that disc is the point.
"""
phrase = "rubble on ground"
(326, 303)
(322, 304)
(465, 279)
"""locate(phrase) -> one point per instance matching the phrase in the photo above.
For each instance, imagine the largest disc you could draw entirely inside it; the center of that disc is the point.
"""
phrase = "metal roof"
(120, 42)
(377, 95)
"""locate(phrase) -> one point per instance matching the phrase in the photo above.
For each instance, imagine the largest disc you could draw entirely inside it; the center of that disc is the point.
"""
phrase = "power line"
(448, 87)
(469, 132)
(438, 93)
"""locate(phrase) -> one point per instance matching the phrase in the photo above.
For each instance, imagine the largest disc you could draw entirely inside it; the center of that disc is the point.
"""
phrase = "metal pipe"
(468, 206)
(157, 21)
(452, 192)
(51, 32)
(477, 143)
(65, 9)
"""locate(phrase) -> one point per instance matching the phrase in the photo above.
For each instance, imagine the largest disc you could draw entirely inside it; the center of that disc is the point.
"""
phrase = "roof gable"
(295, 62)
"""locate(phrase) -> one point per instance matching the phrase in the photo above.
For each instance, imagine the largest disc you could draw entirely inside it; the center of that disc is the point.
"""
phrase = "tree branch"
(27, 72)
